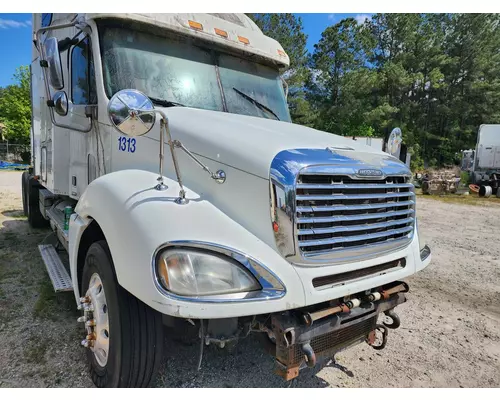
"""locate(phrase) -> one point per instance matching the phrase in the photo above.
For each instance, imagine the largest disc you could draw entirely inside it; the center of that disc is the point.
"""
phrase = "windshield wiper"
(165, 103)
(260, 105)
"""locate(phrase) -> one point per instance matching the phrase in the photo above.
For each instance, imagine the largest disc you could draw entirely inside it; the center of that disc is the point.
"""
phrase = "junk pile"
(440, 182)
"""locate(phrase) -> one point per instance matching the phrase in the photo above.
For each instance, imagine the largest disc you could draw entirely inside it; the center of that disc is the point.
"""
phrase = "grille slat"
(354, 186)
(303, 209)
(340, 218)
(335, 196)
(356, 238)
(336, 213)
(354, 228)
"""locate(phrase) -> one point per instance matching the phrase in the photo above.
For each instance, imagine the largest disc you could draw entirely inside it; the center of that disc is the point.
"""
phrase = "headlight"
(197, 273)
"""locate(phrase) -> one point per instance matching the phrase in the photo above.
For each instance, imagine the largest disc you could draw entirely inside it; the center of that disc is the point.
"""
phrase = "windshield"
(179, 72)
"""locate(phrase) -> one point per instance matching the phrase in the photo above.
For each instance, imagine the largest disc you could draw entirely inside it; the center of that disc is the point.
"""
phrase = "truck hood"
(250, 143)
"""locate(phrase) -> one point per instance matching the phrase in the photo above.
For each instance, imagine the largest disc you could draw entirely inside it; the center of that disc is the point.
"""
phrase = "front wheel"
(124, 336)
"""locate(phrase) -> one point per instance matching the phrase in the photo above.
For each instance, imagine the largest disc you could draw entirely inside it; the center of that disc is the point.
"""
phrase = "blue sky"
(15, 38)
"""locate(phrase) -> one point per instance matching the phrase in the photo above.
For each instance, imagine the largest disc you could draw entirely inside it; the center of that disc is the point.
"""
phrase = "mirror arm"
(219, 176)
(164, 129)
(41, 50)
(285, 84)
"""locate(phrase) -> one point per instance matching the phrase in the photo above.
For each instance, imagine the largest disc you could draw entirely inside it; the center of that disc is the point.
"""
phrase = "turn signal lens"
(220, 32)
(196, 25)
(275, 226)
(243, 40)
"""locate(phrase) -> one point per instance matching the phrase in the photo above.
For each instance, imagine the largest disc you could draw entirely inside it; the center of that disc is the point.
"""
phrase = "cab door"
(82, 96)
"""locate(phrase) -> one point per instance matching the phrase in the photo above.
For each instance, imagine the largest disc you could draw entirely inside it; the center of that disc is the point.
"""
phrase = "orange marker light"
(196, 25)
(281, 53)
(220, 32)
(275, 226)
(243, 40)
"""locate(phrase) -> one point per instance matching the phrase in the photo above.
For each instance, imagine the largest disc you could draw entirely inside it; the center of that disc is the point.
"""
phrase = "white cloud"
(361, 18)
(28, 22)
(9, 23)
(331, 17)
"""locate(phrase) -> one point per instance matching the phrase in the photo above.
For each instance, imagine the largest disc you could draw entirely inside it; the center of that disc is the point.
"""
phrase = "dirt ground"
(449, 336)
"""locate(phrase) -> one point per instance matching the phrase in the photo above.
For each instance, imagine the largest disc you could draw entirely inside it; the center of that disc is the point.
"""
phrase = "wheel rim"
(100, 328)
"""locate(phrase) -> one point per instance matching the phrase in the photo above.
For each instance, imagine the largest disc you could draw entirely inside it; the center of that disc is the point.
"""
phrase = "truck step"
(57, 273)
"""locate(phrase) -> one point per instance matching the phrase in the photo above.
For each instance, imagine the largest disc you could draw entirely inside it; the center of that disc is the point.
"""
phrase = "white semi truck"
(246, 223)
(485, 160)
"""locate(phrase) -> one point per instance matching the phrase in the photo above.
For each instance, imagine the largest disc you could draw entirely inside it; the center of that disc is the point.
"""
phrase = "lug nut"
(90, 322)
(85, 299)
(85, 343)
(82, 319)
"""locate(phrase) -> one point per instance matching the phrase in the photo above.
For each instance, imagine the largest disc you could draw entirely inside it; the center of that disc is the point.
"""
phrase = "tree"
(287, 29)
(15, 108)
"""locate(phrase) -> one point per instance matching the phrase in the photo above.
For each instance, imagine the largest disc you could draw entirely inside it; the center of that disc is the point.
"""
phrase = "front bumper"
(301, 342)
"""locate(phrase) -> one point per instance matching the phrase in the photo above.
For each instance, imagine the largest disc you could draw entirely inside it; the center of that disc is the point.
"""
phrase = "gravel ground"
(449, 336)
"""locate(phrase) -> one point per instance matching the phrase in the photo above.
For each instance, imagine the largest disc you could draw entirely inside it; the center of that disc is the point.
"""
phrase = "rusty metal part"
(384, 332)
(309, 318)
(327, 336)
(372, 336)
(401, 287)
(396, 321)
(286, 373)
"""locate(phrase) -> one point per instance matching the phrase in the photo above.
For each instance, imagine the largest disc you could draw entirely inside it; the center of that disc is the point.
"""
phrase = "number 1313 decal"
(126, 144)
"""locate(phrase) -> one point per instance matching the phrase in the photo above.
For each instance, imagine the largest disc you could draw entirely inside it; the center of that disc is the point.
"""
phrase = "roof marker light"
(220, 32)
(195, 25)
(281, 53)
(243, 40)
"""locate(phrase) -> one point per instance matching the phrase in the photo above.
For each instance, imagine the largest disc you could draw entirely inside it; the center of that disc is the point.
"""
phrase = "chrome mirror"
(131, 112)
(394, 142)
(60, 100)
(54, 63)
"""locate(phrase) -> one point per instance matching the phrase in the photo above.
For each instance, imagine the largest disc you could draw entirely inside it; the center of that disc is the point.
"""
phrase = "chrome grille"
(338, 214)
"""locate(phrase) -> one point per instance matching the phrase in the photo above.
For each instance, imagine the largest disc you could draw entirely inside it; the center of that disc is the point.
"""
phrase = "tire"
(24, 187)
(135, 330)
(35, 217)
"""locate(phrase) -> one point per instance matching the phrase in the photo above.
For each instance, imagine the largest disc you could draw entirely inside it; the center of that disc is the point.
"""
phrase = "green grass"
(471, 199)
(51, 305)
(35, 351)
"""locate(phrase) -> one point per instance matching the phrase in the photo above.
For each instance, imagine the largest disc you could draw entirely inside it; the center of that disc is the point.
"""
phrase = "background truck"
(486, 160)
(251, 224)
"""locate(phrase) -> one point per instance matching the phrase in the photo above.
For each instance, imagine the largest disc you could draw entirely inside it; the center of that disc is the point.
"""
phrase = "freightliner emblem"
(369, 172)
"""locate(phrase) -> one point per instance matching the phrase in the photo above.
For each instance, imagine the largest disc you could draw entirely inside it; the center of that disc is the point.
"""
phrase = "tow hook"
(379, 331)
(396, 322)
(309, 355)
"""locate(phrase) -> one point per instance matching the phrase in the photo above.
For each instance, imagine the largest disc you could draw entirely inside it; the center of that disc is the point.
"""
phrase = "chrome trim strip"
(272, 286)
(358, 253)
(303, 209)
(354, 228)
(347, 239)
(347, 186)
(354, 196)
(352, 217)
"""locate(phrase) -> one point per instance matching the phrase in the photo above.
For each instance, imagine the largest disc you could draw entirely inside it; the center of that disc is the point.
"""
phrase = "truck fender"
(136, 220)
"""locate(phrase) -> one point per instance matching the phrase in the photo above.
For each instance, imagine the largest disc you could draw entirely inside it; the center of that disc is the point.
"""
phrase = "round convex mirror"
(60, 101)
(395, 140)
(131, 112)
